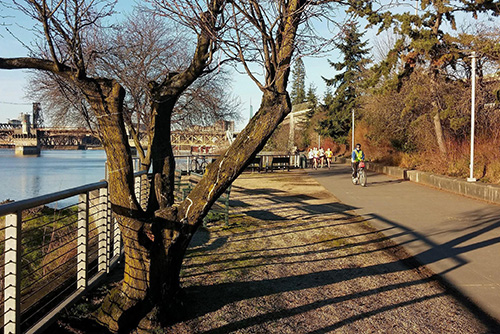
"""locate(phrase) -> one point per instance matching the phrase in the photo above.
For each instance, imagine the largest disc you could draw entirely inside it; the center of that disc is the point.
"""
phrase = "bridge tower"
(26, 142)
(37, 115)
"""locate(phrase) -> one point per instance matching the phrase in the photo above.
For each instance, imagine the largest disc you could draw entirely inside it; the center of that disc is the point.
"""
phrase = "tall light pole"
(352, 140)
(472, 117)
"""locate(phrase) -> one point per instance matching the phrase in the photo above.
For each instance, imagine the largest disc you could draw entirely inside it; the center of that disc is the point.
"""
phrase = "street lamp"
(472, 118)
(352, 140)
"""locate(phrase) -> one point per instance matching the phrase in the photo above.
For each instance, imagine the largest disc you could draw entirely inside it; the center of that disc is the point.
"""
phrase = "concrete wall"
(478, 190)
(389, 170)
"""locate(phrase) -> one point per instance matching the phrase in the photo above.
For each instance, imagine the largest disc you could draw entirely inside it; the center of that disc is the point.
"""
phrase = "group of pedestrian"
(318, 157)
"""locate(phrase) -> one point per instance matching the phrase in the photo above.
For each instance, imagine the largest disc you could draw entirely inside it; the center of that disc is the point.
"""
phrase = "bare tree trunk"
(162, 155)
(438, 129)
(106, 99)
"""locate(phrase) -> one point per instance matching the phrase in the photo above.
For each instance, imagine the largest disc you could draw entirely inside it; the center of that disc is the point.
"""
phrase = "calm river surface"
(54, 170)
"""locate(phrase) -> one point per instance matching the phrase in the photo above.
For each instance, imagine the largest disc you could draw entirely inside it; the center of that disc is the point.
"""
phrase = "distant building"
(22, 124)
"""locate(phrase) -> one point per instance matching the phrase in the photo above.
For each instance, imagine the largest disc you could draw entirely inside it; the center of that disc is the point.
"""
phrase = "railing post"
(144, 189)
(116, 238)
(137, 188)
(102, 233)
(109, 232)
(12, 275)
(115, 231)
(226, 206)
(82, 241)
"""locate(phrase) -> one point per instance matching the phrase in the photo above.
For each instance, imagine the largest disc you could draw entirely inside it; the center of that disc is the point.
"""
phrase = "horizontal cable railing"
(50, 256)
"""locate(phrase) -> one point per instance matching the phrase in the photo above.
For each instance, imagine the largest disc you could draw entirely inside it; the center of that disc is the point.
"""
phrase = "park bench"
(280, 163)
(256, 164)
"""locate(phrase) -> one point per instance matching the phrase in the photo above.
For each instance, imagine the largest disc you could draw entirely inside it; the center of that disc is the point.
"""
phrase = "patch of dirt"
(295, 260)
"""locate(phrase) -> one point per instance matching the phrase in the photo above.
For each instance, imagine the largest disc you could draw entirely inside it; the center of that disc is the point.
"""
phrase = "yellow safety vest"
(359, 155)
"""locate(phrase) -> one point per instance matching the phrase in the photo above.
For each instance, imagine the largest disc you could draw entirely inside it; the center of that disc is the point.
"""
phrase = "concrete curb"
(389, 170)
(482, 191)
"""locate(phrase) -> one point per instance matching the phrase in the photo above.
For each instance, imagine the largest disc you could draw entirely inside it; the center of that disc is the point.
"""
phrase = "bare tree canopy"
(144, 48)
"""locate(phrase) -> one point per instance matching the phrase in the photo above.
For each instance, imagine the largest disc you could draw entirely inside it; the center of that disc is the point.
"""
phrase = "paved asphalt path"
(456, 237)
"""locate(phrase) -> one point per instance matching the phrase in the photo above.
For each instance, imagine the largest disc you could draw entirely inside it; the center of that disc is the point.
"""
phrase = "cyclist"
(356, 158)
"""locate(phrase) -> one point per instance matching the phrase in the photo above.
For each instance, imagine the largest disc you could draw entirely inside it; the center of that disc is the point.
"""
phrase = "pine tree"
(345, 99)
(311, 97)
(298, 94)
(328, 96)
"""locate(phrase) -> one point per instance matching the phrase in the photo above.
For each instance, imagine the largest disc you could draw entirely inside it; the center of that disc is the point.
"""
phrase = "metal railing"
(49, 256)
(198, 162)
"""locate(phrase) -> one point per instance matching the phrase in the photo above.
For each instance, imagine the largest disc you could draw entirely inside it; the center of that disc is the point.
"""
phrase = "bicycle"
(361, 173)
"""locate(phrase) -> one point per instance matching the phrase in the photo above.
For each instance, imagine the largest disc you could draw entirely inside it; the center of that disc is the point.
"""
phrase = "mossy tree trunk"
(151, 285)
(106, 100)
(162, 156)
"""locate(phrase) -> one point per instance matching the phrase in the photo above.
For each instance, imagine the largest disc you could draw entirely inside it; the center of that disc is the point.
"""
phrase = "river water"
(23, 177)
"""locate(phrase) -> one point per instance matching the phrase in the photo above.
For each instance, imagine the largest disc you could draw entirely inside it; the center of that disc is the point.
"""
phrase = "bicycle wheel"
(362, 178)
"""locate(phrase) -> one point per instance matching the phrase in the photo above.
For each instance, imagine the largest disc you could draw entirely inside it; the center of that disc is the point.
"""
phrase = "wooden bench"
(280, 163)
(256, 164)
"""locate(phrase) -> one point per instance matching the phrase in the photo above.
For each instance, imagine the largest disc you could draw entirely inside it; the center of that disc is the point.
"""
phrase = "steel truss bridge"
(84, 138)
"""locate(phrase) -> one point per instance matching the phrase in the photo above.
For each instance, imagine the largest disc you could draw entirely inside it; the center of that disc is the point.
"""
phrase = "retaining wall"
(478, 190)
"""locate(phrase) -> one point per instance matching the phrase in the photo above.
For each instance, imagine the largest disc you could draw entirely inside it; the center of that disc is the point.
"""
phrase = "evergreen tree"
(311, 97)
(328, 96)
(298, 94)
(339, 108)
